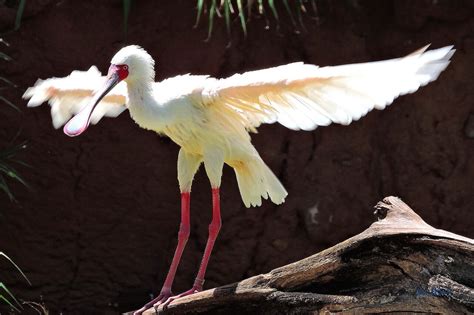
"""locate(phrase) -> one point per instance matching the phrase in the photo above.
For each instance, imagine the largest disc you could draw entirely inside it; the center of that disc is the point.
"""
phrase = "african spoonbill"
(210, 118)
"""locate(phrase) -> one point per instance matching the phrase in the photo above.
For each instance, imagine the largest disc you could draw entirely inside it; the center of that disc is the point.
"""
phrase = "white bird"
(211, 118)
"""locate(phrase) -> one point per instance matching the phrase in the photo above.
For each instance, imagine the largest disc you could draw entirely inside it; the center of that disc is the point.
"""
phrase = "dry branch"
(399, 264)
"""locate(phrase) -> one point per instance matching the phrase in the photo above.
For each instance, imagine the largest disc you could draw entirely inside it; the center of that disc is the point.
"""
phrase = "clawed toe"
(161, 298)
(164, 303)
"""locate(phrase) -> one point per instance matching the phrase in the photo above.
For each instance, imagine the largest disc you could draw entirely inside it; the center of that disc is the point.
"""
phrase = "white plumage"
(303, 96)
(67, 96)
(203, 113)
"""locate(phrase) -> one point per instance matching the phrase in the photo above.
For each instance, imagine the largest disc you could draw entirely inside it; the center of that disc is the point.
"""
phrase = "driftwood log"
(399, 264)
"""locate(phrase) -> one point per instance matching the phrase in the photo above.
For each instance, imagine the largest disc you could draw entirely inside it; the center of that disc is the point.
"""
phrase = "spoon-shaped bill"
(79, 123)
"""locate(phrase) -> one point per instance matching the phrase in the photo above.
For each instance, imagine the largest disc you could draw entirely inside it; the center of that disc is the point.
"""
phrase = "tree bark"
(399, 264)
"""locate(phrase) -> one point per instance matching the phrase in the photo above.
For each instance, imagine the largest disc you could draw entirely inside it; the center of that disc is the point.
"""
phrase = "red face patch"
(120, 70)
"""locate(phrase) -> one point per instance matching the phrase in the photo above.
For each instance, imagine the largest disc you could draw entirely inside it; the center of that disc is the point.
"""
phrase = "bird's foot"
(161, 298)
(164, 305)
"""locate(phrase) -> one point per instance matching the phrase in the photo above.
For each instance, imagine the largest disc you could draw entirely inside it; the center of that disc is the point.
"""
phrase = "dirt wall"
(97, 232)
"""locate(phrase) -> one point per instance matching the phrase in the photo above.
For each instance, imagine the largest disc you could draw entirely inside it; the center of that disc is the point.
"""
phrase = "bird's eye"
(125, 67)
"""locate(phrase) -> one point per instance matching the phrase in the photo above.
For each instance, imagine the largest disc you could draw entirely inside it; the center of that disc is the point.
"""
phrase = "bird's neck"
(138, 92)
(143, 106)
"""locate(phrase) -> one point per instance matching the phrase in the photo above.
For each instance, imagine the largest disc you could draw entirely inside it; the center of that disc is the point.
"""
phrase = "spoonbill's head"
(131, 64)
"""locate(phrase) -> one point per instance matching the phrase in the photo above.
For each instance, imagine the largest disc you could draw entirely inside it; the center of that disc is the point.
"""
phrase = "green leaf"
(299, 10)
(19, 14)
(212, 13)
(6, 189)
(16, 266)
(314, 7)
(242, 17)
(4, 287)
(11, 151)
(250, 4)
(22, 163)
(271, 4)
(126, 12)
(10, 104)
(9, 303)
(288, 9)
(4, 42)
(7, 158)
(8, 81)
(260, 7)
(12, 173)
(5, 56)
(200, 5)
(227, 16)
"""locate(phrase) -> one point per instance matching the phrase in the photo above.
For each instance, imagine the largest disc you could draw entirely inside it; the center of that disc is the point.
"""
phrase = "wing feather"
(304, 96)
(68, 95)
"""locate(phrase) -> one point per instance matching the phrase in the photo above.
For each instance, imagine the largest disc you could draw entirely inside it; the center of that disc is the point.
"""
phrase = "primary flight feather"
(211, 118)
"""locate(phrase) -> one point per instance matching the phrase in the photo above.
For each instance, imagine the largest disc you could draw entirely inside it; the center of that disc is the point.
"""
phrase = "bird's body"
(178, 108)
(178, 111)
(210, 119)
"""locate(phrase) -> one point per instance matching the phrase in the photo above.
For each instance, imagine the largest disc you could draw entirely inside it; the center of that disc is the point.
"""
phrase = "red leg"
(183, 236)
(214, 229)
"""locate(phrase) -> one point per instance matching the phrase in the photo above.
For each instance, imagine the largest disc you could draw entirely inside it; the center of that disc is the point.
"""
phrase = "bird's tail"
(256, 180)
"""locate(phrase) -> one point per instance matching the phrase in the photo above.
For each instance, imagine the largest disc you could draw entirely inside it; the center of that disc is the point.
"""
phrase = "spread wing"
(68, 95)
(304, 96)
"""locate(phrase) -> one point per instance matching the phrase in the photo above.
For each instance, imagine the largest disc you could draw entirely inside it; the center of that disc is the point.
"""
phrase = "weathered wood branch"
(399, 264)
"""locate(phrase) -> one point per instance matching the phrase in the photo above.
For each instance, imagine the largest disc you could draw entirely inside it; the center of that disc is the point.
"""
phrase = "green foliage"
(7, 160)
(292, 8)
(215, 7)
(5, 295)
(5, 56)
(6, 82)
(243, 10)
(241, 16)
(8, 154)
(38, 307)
(126, 12)
(19, 14)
